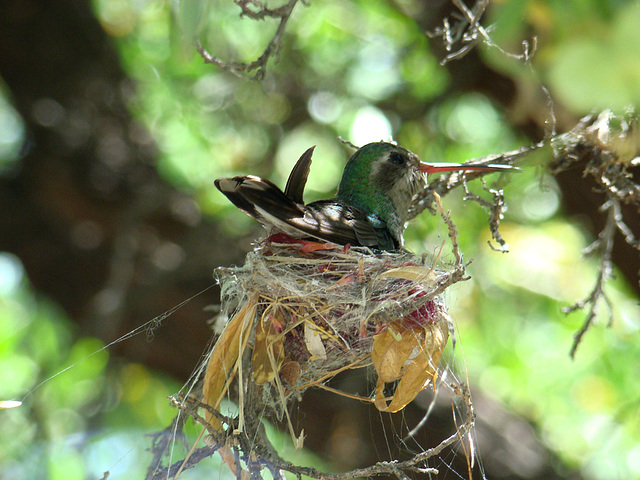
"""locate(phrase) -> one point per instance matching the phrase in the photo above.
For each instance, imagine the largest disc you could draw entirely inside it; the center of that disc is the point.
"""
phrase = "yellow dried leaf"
(419, 366)
(267, 337)
(389, 352)
(224, 357)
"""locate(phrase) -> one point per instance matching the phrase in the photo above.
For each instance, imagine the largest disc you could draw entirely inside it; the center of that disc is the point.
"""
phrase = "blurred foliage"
(67, 387)
(587, 51)
(363, 71)
(11, 132)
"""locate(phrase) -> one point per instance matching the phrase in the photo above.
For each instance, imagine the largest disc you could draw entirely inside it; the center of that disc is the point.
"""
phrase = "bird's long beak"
(455, 167)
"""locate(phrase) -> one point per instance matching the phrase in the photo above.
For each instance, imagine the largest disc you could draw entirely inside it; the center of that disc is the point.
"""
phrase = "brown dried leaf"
(224, 358)
(290, 372)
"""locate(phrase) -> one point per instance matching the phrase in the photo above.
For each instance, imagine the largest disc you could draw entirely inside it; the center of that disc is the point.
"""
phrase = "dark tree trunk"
(96, 228)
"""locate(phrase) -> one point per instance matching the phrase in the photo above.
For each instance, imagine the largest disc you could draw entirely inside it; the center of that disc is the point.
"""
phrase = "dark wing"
(344, 224)
(259, 198)
(373, 232)
(326, 220)
(298, 177)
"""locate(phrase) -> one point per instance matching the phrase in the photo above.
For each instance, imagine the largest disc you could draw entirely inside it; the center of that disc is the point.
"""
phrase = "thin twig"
(604, 147)
(604, 244)
(161, 441)
(466, 32)
(256, 455)
(497, 208)
(259, 12)
(181, 465)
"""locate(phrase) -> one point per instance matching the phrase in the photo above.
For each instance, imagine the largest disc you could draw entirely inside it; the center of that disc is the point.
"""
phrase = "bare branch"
(161, 442)
(461, 36)
(251, 449)
(170, 471)
(497, 208)
(347, 143)
(604, 244)
(255, 10)
(623, 228)
(605, 147)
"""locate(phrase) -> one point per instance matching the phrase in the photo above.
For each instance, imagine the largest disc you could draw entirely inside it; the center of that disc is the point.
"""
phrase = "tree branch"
(259, 13)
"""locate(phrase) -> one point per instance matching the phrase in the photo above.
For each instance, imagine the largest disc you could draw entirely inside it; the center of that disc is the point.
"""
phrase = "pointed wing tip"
(257, 197)
(233, 184)
(226, 184)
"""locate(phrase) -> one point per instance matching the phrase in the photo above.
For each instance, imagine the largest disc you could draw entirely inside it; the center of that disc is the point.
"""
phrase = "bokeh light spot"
(370, 125)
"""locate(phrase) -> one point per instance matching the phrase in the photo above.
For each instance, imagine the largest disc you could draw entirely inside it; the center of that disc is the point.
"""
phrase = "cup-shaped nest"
(308, 311)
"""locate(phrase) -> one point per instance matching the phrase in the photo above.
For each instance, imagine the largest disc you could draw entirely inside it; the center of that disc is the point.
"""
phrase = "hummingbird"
(370, 208)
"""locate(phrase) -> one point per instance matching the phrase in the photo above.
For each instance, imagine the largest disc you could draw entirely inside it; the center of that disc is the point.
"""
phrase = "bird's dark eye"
(397, 158)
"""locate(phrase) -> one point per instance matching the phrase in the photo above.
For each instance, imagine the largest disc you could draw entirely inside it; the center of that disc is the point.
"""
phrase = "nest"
(298, 313)
(308, 311)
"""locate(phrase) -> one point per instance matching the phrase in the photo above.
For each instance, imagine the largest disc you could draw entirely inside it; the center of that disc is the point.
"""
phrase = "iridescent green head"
(381, 179)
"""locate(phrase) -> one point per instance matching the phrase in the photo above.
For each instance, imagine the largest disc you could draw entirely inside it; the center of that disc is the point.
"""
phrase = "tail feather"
(298, 177)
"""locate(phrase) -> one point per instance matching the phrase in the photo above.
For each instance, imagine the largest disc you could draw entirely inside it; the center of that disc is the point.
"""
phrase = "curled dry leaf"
(410, 355)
